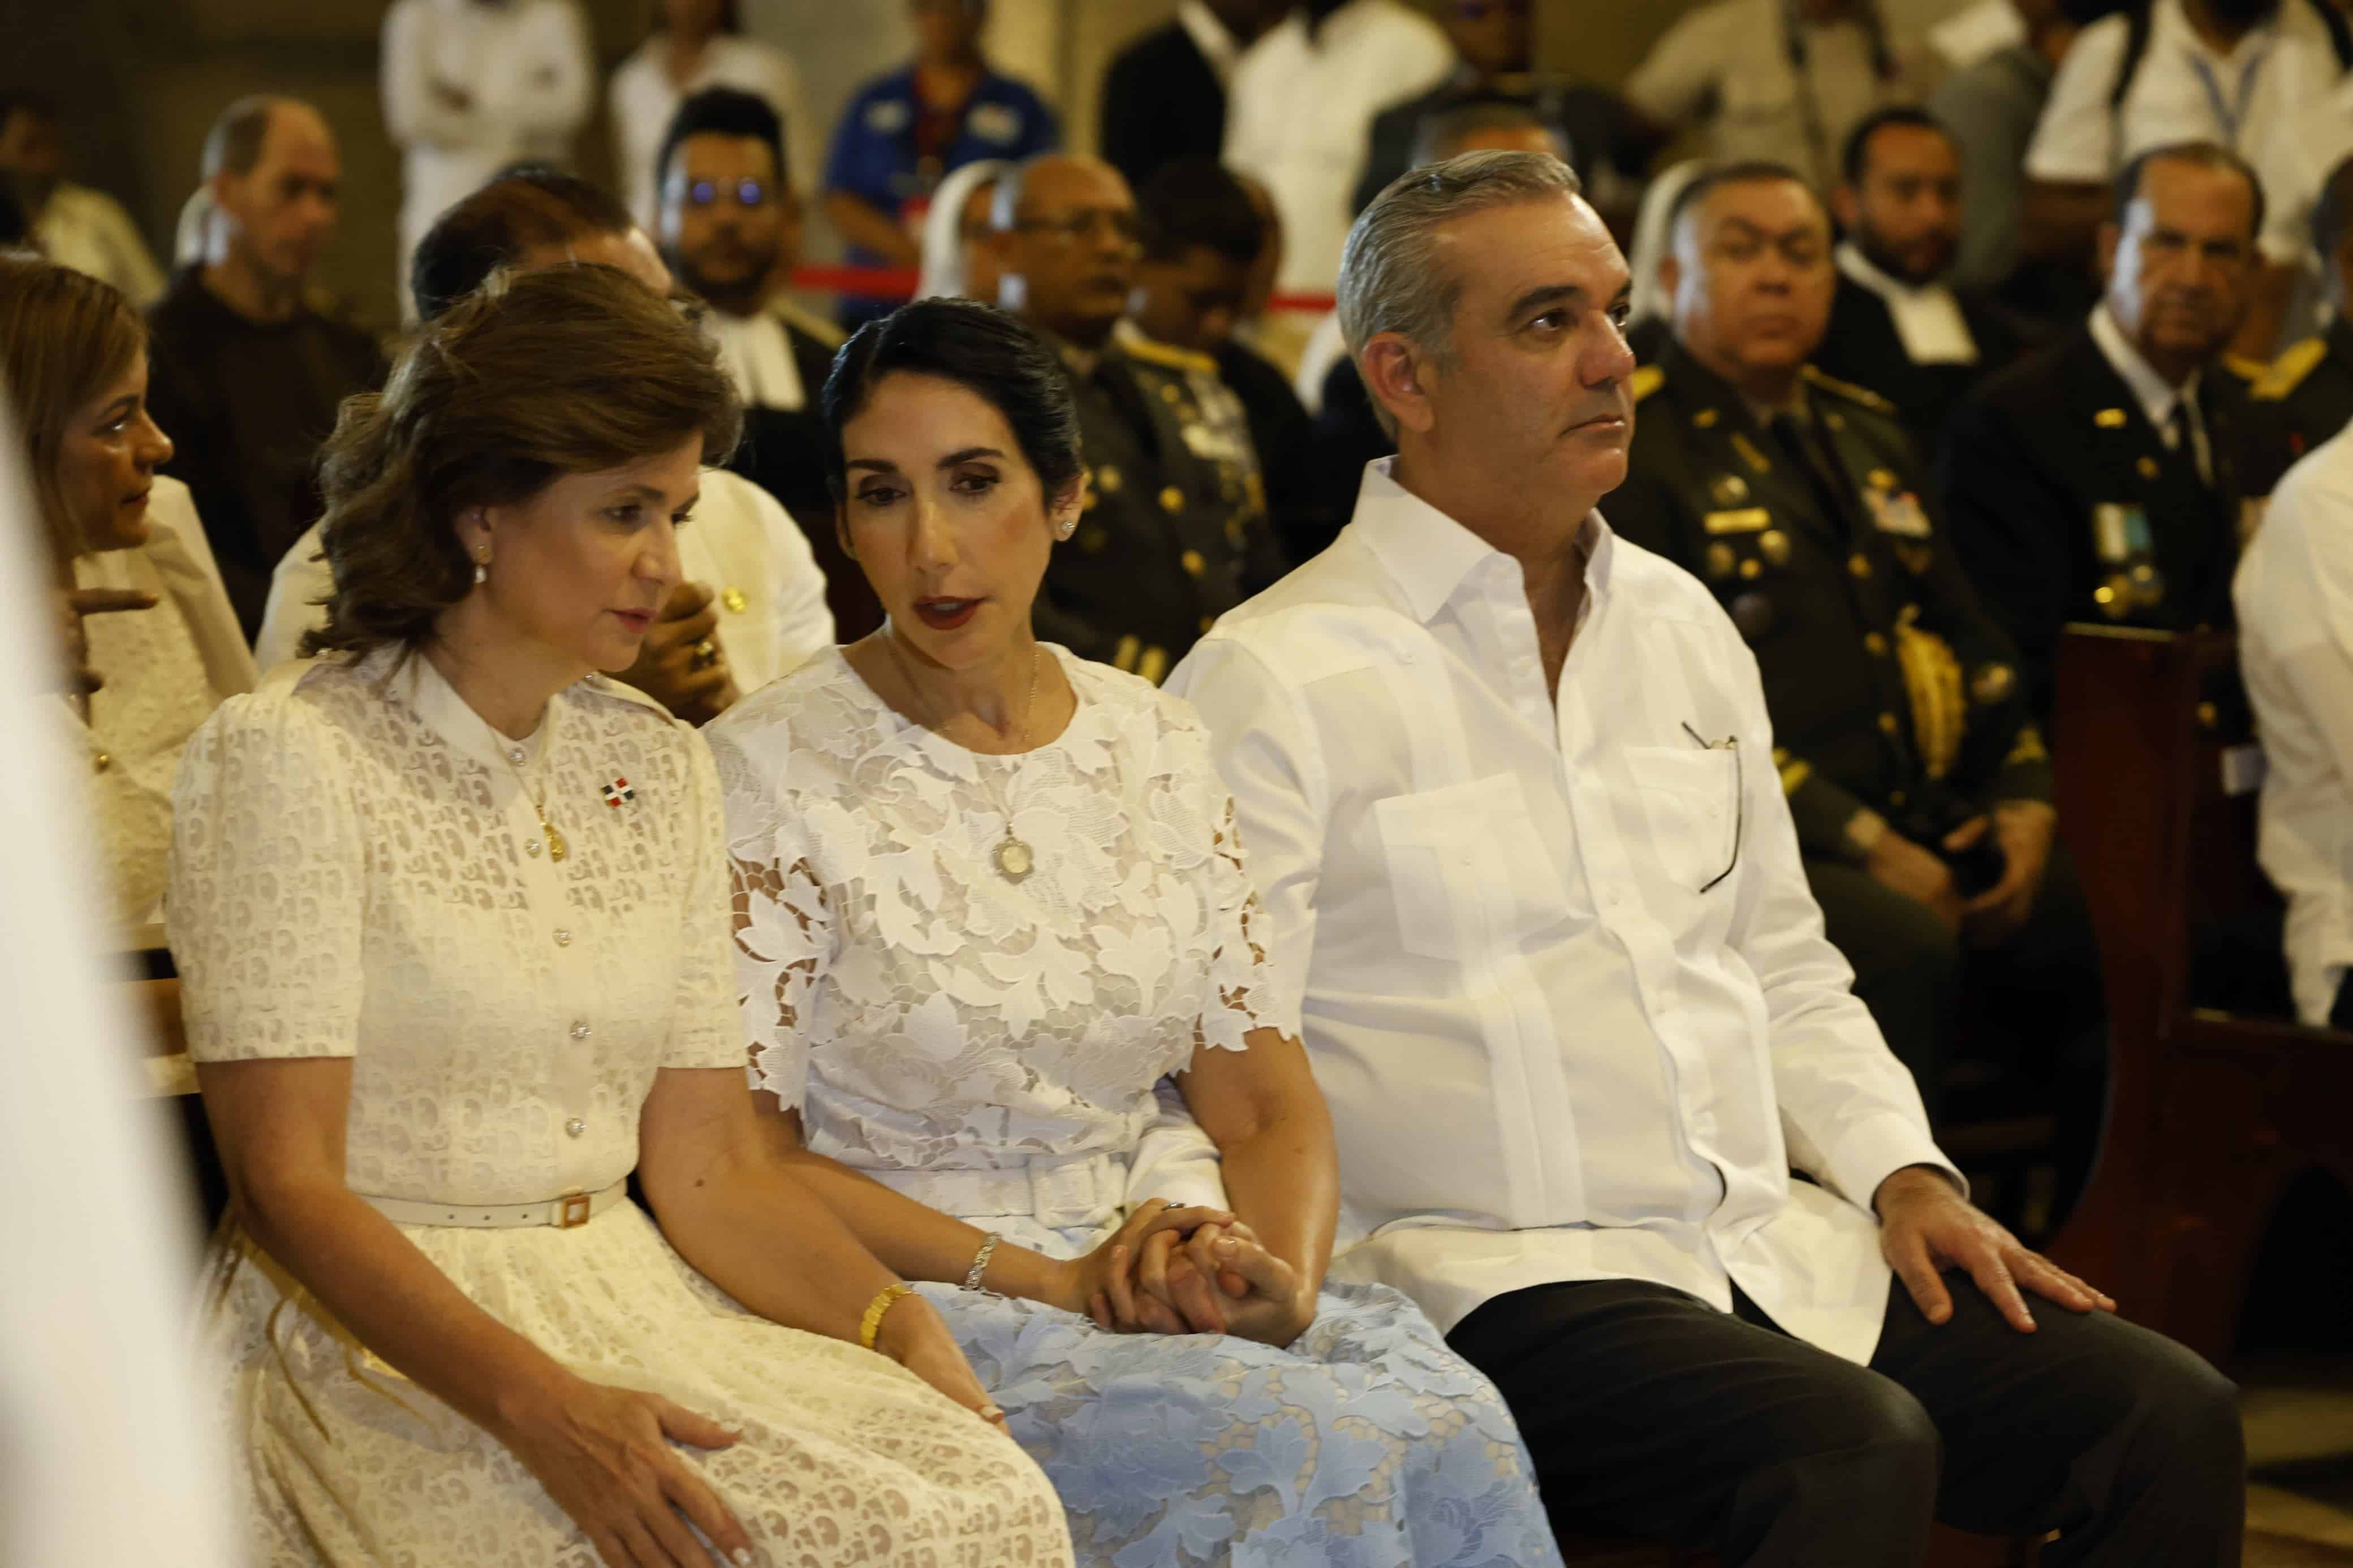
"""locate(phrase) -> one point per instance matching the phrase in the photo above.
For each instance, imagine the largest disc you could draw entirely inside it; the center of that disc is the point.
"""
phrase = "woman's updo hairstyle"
(64, 337)
(981, 348)
(537, 375)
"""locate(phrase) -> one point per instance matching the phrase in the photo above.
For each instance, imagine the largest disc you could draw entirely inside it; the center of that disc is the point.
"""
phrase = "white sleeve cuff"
(1874, 1150)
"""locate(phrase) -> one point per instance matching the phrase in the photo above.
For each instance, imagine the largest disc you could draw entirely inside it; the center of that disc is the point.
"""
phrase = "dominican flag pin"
(619, 792)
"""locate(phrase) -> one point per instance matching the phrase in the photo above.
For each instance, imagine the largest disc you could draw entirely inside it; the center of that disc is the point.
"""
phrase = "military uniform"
(1894, 697)
(1174, 530)
(2305, 397)
(2066, 504)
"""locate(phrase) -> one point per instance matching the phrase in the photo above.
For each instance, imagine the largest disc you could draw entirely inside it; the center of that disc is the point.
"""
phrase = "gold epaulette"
(1167, 355)
(1849, 391)
(2287, 372)
(1647, 379)
(1932, 678)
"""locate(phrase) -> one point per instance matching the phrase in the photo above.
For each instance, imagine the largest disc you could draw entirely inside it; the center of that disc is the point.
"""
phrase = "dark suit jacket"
(1160, 101)
(1284, 439)
(1862, 346)
(2030, 462)
(784, 452)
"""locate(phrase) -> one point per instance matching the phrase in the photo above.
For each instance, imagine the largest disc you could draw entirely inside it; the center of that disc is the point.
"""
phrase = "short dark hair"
(541, 374)
(233, 146)
(492, 228)
(724, 112)
(1197, 201)
(980, 348)
(1854, 158)
(2332, 215)
(1746, 172)
(2199, 153)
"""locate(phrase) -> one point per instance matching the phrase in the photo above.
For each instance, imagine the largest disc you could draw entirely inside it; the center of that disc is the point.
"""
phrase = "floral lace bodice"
(923, 1012)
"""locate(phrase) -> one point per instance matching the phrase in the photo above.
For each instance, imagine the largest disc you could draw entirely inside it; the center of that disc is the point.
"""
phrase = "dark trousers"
(2006, 1030)
(1650, 1413)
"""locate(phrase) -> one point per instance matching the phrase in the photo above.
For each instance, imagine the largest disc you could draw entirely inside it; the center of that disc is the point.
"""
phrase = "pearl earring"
(481, 572)
(1067, 528)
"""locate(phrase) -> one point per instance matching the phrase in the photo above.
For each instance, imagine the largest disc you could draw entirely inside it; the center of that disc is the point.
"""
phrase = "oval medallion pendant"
(556, 848)
(1014, 859)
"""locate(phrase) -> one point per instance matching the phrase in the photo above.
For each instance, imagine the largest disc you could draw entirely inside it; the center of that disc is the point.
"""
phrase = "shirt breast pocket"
(1468, 869)
(1692, 797)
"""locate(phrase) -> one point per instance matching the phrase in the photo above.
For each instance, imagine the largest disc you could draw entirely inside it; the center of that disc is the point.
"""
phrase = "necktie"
(2183, 435)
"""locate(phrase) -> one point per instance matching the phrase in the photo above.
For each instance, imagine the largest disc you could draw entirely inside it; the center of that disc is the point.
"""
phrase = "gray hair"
(1390, 278)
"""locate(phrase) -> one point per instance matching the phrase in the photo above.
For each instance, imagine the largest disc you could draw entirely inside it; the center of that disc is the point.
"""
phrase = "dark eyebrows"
(1545, 294)
(126, 403)
(969, 454)
(878, 465)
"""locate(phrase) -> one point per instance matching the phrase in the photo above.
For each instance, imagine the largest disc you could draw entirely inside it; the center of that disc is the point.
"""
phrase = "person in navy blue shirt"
(905, 132)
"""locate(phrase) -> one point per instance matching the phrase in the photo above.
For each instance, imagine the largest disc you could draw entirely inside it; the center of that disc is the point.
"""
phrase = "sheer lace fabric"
(354, 876)
(927, 1016)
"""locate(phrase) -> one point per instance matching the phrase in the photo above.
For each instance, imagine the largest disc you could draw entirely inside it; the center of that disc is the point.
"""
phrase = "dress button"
(581, 1031)
(532, 847)
(515, 754)
(1194, 563)
(1888, 721)
(1874, 645)
(562, 937)
(575, 1128)
(1859, 563)
(103, 762)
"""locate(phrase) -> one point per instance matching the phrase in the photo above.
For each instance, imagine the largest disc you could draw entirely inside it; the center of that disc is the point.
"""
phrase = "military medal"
(1776, 546)
(1728, 489)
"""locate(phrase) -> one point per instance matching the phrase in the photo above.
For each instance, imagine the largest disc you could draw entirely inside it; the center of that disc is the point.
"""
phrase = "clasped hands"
(1187, 1271)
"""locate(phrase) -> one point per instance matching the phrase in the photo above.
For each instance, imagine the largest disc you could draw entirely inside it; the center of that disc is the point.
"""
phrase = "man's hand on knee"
(1925, 1227)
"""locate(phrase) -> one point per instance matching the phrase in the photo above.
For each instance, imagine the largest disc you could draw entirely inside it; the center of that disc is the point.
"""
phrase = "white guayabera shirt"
(1558, 967)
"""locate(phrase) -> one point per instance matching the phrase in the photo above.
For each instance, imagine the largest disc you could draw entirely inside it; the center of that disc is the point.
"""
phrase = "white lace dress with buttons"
(359, 872)
(998, 1050)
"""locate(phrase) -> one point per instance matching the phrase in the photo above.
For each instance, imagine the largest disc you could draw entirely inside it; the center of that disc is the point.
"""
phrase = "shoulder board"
(1849, 391)
(1168, 355)
(2287, 372)
(1648, 379)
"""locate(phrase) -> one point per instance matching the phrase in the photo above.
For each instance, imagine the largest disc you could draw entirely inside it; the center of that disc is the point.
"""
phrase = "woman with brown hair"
(151, 642)
(452, 920)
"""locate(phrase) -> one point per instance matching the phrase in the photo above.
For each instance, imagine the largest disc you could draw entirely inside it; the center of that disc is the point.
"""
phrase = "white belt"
(1061, 1193)
(565, 1213)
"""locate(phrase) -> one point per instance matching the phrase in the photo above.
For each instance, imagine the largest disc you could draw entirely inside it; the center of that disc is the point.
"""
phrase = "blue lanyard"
(2228, 117)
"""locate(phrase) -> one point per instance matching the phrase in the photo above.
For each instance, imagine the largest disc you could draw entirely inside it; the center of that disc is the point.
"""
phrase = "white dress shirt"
(1928, 320)
(525, 67)
(2157, 396)
(741, 539)
(759, 358)
(2270, 97)
(1563, 981)
(2295, 599)
(1300, 117)
(643, 99)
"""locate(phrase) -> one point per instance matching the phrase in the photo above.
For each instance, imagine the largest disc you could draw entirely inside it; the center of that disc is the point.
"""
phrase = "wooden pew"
(2211, 1115)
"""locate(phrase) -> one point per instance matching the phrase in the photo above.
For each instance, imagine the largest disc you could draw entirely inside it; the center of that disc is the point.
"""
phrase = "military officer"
(1917, 781)
(2306, 396)
(1174, 533)
(2099, 479)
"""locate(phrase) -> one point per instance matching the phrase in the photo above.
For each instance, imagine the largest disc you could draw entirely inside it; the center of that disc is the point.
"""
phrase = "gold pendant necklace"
(556, 847)
(1013, 857)
(550, 835)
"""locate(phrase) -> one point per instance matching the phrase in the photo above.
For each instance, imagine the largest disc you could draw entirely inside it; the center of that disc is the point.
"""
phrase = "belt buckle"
(571, 1211)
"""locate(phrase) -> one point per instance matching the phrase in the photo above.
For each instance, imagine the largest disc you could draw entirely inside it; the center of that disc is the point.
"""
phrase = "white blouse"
(926, 1014)
(358, 871)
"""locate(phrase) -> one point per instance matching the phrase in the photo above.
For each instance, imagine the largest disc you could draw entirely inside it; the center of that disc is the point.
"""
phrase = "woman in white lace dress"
(451, 916)
(998, 950)
(139, 604)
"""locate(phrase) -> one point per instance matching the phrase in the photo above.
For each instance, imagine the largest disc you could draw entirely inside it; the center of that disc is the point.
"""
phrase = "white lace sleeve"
(1241, 977)
(782, 925)
(268, 884)
(705, 1031)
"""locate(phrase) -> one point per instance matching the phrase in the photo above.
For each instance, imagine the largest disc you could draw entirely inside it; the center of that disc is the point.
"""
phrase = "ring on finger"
(706, 654)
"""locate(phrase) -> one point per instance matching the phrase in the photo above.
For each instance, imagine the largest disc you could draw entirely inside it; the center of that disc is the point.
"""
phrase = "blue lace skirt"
(1365, 1443)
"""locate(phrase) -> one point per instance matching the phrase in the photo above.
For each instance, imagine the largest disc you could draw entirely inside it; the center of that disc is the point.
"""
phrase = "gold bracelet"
(884, 1301)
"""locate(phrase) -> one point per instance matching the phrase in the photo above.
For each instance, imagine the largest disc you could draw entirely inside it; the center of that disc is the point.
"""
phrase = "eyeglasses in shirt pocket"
(1692, 796)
